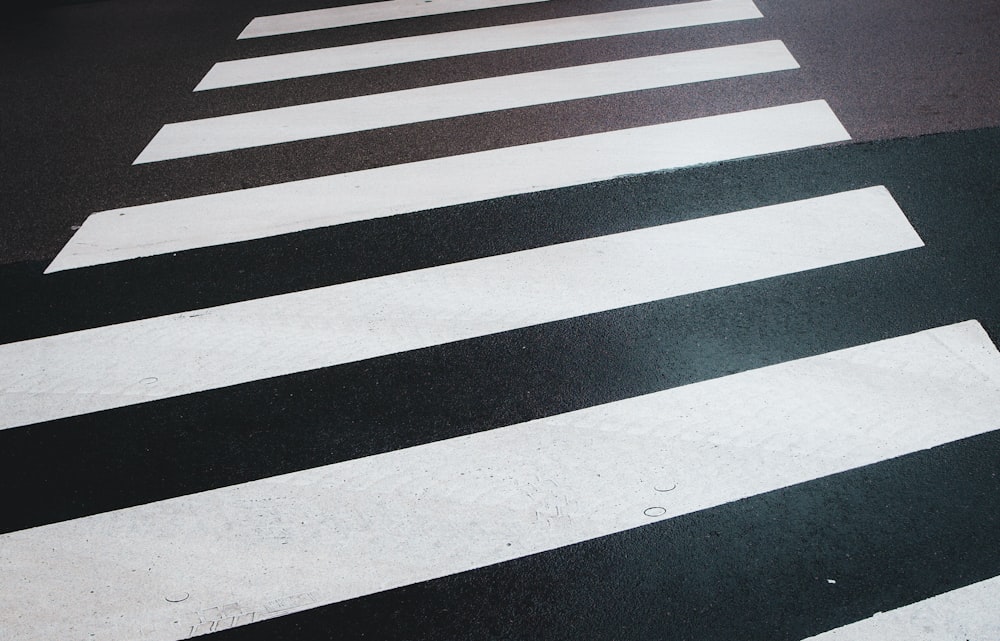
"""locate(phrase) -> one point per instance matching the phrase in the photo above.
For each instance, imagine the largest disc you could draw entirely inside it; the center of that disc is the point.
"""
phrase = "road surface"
(502, 319)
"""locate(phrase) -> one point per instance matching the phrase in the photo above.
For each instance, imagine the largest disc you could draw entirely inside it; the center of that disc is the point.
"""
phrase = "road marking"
(368, 12)
(967, 613)
(457, 43)
(359, 527)
(361, 113)
(113, 366)
(216, 219)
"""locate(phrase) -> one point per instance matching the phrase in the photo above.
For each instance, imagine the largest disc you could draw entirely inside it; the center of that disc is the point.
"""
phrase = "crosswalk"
(375, 317)
(447, 507)
(362, 13)
(219, 218)
(347, 115)
(182, 507)
(967, 612)
(457, 43)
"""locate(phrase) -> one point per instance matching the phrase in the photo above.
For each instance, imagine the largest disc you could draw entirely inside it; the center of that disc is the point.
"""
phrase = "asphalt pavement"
(896, 521)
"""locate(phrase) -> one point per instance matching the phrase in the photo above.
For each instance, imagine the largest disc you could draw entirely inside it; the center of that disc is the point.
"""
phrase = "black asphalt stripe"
(888, 534)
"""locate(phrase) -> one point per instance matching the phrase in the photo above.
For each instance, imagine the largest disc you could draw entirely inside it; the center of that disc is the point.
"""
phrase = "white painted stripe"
(363, 14)
(155, 358)
(228, 217)
(967, 613)
(355, 528)
(333, 117)
(455, 43)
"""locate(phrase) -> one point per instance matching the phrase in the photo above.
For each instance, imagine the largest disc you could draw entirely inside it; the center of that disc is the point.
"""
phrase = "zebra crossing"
(457, 43)
(266, 539)
(330, 18)
(253, 213)
(347, 115)
(375, 317)
(967, 612)
(455, 505)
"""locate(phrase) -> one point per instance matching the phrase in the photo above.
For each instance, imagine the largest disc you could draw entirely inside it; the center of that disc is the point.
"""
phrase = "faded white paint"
(971, 613)
(363, 14)
(346, 115)
(216, 219)
(455, 43)
(230, 556)
(144, 360)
